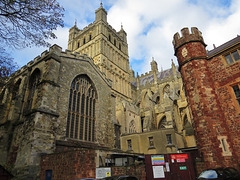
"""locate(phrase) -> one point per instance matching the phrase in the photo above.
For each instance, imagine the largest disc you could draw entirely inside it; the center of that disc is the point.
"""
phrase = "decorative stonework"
(184, 52)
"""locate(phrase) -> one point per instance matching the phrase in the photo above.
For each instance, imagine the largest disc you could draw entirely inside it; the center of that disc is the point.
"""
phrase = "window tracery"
(81, 109)
(132, 128)
(162, 123)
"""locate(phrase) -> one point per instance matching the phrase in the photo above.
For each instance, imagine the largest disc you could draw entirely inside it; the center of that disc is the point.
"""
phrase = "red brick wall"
(224, 76)
(69, 165)
(138, 171)
(78, 164)
(210, 101)
(200, 166)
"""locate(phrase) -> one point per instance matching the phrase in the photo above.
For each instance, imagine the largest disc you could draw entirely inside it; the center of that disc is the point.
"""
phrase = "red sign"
(179, 156)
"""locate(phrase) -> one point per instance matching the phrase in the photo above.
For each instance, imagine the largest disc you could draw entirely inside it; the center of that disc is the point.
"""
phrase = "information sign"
(158, 159)
(103, 172)
(179, 156)
(158, 172)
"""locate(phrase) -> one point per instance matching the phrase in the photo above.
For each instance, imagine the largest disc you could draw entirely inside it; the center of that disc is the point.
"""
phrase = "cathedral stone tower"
(210, 126)
(108, 48)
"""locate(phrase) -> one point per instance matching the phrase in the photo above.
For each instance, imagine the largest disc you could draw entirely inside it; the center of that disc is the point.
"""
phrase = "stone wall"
(30, 129)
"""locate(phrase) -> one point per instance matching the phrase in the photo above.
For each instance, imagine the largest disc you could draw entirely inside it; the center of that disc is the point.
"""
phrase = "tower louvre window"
(81, 110)
(233, 57)
(84, 41)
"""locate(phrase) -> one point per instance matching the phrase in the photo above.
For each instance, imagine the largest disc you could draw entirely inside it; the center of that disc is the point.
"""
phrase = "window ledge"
(151, 147)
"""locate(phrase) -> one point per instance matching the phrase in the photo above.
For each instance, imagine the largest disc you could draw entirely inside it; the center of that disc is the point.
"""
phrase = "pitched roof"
(224, 46)
(150, 78)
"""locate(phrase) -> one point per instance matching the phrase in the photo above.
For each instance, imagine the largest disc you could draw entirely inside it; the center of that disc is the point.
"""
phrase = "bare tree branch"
(25, 23)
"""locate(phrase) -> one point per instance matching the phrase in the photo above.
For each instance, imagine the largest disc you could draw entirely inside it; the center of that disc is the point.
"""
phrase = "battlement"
(194, 36)
(57, 51)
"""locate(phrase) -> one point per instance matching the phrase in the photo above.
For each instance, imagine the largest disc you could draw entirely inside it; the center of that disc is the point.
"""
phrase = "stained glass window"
(81, 109)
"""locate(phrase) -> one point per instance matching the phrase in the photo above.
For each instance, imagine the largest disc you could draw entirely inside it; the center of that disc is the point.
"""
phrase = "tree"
(7, 66)
(25, 23)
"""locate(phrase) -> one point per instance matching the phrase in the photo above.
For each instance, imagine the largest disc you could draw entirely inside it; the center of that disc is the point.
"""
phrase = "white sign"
(103, 172)
(167, 167)
(158, 172)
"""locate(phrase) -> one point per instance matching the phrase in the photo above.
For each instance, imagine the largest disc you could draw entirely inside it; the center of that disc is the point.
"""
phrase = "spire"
(101, 13)
(75, 22)
(174, 69)
(123, 33)
(154, 65)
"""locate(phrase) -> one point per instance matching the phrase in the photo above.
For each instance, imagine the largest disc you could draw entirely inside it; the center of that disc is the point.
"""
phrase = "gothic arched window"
(132, 128)
(162, 123)
(16, 89)
(187, 127)
(81, 109)
(33, 82)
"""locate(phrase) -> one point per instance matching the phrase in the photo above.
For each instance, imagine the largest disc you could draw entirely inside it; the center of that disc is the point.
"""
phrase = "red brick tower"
(213, 139)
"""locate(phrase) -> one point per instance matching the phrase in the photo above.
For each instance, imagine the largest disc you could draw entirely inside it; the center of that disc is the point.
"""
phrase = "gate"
(169, 167)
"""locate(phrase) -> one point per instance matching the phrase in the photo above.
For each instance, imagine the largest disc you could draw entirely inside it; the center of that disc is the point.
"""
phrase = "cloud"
(23, 56)
(151, 24)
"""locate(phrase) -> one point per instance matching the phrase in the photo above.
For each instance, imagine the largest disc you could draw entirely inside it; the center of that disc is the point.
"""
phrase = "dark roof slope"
(224, 46)
(150, 78)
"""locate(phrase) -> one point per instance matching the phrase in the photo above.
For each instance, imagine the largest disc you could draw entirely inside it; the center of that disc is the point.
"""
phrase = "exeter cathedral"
(88, 101)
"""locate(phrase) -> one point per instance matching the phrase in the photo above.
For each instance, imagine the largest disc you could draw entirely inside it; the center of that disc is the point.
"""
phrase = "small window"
(78, 44)
(232, 57)
(90, 37)
(169, 138)
(48, 175)
(84, 41)
(120, 47)
(158, 100)
(237, 93)
(151, 143)
(129, 144)
(109, 37)
(115, 42)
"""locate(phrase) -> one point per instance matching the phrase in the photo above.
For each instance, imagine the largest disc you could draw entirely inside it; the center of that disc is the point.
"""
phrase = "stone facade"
(31, 126)
(87, 98)
(162, 117)
(211, 80)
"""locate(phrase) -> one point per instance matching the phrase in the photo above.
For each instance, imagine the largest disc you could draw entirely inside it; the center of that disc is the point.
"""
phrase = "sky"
(150, 26)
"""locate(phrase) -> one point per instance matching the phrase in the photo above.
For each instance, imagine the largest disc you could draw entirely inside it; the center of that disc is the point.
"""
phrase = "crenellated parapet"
(189, 46)
(194, 36)
(55, 52)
